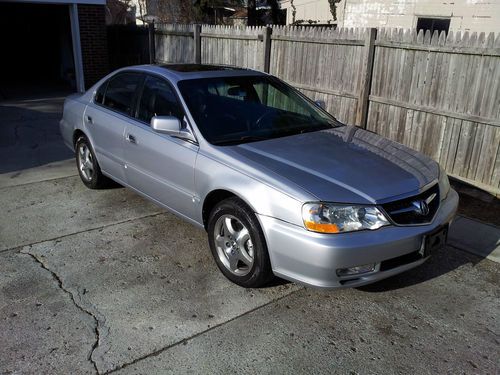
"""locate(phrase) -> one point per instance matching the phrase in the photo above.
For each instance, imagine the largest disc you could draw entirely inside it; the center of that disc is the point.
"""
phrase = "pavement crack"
(177, 343)
(21, 246)
(76, 299)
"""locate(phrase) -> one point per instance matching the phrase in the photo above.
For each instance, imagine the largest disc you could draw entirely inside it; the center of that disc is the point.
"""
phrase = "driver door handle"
(130, 138)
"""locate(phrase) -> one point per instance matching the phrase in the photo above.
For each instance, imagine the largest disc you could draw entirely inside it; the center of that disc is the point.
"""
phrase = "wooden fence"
(127, 45)
(439, 94)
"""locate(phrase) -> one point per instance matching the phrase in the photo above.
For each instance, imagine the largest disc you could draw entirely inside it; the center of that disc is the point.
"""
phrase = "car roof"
(190, 68)
(178, 72)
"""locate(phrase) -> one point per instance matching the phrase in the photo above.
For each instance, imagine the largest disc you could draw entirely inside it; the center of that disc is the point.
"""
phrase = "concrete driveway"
(106, 282)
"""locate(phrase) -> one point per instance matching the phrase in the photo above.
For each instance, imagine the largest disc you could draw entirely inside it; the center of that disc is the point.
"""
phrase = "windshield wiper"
(255, 138)
(306, 130)
(314, 129)
(244, 139)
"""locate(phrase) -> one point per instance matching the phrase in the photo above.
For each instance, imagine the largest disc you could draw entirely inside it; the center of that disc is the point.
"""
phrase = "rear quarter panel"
(72, 119)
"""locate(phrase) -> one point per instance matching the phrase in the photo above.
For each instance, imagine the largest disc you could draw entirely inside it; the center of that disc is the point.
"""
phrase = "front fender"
(263, 199)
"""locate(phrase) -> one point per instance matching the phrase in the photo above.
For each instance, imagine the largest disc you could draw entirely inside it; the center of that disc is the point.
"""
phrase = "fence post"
(366, 79)
(197, 44)
(267, 48)
(152, 46)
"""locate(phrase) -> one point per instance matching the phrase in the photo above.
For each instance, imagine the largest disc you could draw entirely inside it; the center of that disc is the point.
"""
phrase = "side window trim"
(104, 86)
(138, 96)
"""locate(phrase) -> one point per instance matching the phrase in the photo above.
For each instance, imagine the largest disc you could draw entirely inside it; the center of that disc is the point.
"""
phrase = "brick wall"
(94, 42)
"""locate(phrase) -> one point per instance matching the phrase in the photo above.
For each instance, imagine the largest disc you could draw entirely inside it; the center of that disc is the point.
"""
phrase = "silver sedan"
(280, 185)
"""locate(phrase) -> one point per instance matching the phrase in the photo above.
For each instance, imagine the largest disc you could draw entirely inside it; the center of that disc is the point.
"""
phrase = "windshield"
(234, 110)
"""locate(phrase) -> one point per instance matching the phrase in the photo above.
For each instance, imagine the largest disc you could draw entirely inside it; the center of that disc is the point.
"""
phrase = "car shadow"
(276, 281)
(112, 185)
(442, 262)
(474, 235)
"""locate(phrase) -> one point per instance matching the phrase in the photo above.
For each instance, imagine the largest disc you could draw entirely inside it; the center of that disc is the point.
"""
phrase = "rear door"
(159, 165)
(107, 116)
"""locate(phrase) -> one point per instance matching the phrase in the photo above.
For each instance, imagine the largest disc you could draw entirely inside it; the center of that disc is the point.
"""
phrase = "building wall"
(464, 15)
(93, 37)
(315, 10)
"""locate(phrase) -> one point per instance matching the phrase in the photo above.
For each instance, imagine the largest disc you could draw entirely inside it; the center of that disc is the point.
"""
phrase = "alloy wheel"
(85, 162)
(234, 245)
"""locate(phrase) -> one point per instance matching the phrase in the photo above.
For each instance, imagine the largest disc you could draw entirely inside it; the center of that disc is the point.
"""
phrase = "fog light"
(356, 270)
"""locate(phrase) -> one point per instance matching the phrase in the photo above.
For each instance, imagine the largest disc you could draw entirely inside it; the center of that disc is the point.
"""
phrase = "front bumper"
(312, 258)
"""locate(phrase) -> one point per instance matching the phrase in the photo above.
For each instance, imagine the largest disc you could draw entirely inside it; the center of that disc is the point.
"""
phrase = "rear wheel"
(88, 167)
(238, 245)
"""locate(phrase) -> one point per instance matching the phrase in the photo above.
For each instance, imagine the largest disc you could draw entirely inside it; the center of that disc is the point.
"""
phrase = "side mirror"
(320, 103)
(171, 125)
(166, 124)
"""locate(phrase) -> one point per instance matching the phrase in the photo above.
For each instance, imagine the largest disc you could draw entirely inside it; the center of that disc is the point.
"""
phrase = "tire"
(238, 244)
(87, 165)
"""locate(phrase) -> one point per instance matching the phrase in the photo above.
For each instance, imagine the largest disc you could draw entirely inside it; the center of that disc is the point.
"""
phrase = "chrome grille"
(418, 209)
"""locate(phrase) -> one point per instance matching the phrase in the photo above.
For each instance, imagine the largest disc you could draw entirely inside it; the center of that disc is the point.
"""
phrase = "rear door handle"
(130, 138)
(89, 119)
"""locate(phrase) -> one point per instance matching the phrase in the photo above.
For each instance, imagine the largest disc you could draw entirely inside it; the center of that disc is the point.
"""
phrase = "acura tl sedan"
(281, 186)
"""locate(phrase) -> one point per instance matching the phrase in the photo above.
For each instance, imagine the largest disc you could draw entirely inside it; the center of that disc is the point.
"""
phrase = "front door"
(159, 165)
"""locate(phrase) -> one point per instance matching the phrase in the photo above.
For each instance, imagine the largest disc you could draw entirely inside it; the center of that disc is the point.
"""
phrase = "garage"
(51, 47)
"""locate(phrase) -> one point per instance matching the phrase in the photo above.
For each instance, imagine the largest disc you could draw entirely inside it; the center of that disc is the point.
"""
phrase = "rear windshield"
(233, 110)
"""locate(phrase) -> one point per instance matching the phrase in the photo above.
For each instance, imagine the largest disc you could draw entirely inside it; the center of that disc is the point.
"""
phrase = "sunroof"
(187, 68)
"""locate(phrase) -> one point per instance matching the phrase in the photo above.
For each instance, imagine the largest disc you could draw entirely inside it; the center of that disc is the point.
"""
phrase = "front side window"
(158, 99)
(121, 91)
(233, 110)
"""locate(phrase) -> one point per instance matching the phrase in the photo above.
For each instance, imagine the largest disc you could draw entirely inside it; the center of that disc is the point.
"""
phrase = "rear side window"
(121, 91)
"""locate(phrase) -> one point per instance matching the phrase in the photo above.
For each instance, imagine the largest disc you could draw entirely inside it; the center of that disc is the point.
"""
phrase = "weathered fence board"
(451, 86)
(233, 46)
(439, 94)
(323, 63)
(174, 43)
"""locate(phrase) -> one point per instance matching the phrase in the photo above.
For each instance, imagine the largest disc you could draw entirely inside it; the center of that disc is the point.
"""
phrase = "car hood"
(344, 164)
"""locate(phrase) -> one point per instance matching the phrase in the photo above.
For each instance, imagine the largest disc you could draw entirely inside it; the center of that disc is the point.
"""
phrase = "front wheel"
(238, 245)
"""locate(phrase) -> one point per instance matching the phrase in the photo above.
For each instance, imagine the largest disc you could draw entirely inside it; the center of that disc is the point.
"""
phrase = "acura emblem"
(421, 207)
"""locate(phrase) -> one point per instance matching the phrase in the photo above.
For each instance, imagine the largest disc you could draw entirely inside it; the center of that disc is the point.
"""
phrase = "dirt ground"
(477, 204)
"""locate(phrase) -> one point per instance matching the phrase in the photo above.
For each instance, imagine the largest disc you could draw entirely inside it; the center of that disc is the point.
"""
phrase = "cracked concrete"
(41, 329)
(437, 319)
(54, 208)
(77, 300)
(152, 279)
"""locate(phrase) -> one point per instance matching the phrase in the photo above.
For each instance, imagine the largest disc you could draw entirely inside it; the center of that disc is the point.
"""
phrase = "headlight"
(336, 218)
(444, 183)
